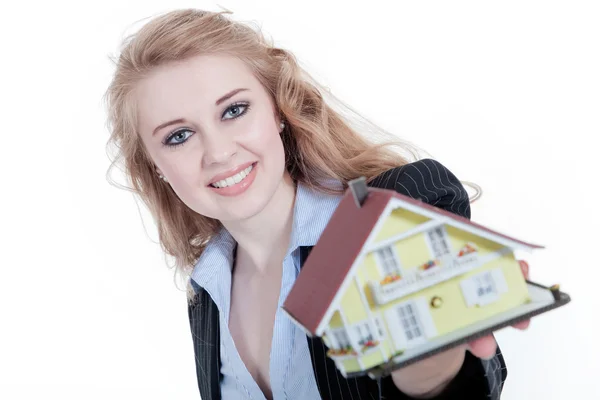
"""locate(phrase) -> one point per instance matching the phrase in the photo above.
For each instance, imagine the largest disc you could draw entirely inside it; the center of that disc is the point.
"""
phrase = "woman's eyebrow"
(164, 125)
(230, 95)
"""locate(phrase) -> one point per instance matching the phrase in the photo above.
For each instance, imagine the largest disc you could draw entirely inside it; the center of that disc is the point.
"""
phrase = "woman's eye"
(179, 137)
(235, 111)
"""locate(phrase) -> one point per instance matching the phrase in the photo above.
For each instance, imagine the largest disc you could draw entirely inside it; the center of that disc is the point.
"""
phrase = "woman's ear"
(279, 119)
(161, 175)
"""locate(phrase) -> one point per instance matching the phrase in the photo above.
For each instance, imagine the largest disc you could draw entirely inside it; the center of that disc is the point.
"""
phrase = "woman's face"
(212, 130)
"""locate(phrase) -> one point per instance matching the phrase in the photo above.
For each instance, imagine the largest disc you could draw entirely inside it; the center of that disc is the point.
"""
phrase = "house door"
(410, 323)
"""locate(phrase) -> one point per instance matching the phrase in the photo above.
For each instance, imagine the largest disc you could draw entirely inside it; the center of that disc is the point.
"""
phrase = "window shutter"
(499, 280)
(395, 328)
(332, 339)
(469, 290)
(424, 315)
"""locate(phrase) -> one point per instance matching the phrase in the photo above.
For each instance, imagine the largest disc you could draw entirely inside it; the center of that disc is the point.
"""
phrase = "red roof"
(339, 245)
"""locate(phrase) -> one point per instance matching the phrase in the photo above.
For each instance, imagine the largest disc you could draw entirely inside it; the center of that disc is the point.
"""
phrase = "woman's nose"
(219, 148)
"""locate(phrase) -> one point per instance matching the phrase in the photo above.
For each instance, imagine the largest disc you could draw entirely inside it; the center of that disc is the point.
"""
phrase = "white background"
(504, 94)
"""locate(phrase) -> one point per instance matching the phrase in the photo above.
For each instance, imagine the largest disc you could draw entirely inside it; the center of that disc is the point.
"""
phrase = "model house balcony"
(429, 274)
(349, 352)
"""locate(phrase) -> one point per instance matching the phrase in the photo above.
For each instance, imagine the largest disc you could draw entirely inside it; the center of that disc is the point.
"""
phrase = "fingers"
(484, 347)
(525, 270)
(522, 325)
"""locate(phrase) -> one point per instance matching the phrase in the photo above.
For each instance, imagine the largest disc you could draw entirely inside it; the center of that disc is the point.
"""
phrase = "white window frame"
(421, 316)
(353, 334)
(437, 237)
(335, 342)
(379, 327)
(365, 325)
(484, 288)
(393, 256)
(363, 331)
(408, 316)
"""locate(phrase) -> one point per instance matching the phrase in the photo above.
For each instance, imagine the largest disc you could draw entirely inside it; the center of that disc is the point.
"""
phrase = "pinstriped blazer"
(427, 180)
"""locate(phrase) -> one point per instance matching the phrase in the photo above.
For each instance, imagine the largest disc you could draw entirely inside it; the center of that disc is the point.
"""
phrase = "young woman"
(242, 162)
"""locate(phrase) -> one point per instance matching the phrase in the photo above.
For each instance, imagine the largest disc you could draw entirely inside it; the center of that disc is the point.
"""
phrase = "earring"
(281, 126)
(164, 178)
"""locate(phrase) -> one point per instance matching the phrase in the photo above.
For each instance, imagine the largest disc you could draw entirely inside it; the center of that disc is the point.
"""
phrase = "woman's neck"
(265, 237)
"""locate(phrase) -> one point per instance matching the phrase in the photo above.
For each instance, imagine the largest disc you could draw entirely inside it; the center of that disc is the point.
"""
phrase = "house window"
(341, 337)
(484, 284)
(388, 261)
(379, 327)
(484, 288)
(363, 333)
(410, 323)
(438, 242)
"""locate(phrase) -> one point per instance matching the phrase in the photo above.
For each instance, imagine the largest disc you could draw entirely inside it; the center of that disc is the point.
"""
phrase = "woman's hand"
(429, 377)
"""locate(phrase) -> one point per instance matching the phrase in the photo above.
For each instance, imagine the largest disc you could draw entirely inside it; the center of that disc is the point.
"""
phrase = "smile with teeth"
(232, 180)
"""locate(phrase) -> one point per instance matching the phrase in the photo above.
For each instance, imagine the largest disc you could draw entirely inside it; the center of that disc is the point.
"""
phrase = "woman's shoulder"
(427, 180)
(426, 168)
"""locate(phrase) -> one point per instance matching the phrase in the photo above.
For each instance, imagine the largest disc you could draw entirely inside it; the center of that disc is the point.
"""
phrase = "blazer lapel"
(204, 323)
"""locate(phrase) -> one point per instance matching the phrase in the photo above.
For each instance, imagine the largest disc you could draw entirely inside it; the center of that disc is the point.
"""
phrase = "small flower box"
(390, 279)
(467, 249)
(347, 351)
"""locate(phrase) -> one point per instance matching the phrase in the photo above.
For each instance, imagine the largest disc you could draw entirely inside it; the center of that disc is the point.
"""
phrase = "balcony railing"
(416, 280)
(350, 352)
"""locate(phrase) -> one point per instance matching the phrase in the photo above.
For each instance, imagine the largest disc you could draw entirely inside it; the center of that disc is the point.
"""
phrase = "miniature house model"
(393, 280)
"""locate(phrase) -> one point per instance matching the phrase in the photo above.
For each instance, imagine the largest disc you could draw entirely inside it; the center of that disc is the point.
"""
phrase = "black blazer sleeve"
(429, 181)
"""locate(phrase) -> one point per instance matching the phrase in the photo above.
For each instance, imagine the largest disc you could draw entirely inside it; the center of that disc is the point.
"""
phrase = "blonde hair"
(320, 143)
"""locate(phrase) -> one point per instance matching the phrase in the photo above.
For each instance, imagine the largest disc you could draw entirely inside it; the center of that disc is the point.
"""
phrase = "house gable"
(458, 237)
(399, 221)
(427, 255)
(449, 218)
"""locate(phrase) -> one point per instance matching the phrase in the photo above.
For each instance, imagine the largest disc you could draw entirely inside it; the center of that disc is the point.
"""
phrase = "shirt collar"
(217, 255)
(312, 211)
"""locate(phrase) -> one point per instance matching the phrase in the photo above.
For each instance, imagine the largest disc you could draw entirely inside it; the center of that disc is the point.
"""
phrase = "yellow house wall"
(369, 361)
(458, 238)
(351, 365)
(413, 252)
(336, 320)
(372, 359)
(366, 273)
(352, 306)
(354, 311)
(400, 220)
(369, 270)
(454, 313)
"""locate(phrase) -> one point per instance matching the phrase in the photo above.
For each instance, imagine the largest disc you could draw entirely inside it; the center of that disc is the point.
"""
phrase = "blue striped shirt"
(290, 370)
